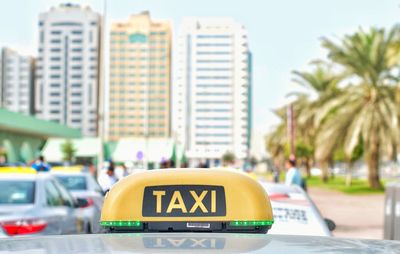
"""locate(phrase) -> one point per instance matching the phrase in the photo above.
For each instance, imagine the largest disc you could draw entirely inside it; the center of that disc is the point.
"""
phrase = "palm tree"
(276, 140)
(367, 108)
(322, 83)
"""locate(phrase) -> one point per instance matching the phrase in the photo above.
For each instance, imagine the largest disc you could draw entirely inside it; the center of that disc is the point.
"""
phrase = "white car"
(83, 185)
(295, 213)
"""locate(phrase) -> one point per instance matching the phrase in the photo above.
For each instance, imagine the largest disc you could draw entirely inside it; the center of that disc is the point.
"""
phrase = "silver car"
(83, 185)
(36, 204)
(295, 213)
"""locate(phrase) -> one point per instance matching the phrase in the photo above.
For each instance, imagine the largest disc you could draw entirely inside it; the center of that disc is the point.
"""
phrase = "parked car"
(33, 203)
(83, 185)
(295, 213)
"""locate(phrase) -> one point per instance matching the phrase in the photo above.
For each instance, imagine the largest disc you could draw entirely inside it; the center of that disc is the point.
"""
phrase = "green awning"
(28, 125)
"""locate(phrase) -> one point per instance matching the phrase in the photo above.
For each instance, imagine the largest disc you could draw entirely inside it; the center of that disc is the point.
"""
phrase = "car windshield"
(17, 192)
(73, 183)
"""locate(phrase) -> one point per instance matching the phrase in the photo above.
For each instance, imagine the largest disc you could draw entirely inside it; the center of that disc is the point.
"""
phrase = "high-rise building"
(67, 72)
(212, 101)
(140, 78)
(16, 81)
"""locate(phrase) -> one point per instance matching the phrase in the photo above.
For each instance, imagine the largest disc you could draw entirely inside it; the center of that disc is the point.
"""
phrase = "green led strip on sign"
(121, 223)
(251, 223)
(139, 224)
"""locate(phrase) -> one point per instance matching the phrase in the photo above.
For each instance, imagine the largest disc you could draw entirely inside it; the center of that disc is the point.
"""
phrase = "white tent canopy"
(136, 149)
(85, 147)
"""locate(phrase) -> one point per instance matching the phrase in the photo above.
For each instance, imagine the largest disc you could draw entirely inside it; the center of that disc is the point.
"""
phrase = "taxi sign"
(68, 169)
(208, 200)
(17, 170)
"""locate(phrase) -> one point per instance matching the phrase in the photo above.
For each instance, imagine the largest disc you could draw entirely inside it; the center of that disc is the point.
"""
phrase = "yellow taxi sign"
(17, 170)
(68, 169)
(187, 200)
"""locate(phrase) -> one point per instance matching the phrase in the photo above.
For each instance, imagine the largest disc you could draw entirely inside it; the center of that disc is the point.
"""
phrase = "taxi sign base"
(207, 227)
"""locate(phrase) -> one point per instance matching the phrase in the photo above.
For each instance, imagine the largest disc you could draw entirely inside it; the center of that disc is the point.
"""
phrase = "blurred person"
(124, 170)
(276, 173)
(293, 175)
(40, 165)
(107, 179)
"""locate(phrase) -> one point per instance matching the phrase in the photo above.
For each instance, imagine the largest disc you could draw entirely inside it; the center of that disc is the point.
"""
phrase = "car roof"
(281, 188)
(194, 243)
(16, 176)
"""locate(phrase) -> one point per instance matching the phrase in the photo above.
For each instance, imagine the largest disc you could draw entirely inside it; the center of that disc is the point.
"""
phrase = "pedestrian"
(293, 175)
(108, 179)
(40, 165)
(125, 171)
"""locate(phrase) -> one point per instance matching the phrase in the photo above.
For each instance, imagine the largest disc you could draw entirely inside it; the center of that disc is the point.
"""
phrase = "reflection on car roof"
(193, 243)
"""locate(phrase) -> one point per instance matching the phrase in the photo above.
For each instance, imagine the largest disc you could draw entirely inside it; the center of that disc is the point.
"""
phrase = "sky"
(284, 35)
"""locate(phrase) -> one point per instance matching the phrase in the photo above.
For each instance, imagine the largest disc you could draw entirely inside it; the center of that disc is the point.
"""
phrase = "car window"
(73, 182)
(17, 192)
(53, 196)
(65, 196)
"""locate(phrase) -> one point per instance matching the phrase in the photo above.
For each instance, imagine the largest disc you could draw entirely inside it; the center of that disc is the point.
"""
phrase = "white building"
(16, 81)
(68, 66)
(212, 102)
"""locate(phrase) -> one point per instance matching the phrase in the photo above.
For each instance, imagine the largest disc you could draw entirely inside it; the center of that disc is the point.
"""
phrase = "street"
(356, 216)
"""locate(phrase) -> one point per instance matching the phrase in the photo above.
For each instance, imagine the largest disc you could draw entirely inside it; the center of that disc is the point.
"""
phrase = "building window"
(90, 94)
(76, 85)
(213, 77)
(55, 85)
(55, 41)
(213, 85)
(77, 32)
(213, 126)
(137, 38)
(78, 41)
(54, 94)
(213, 61)
(213, 53)
(55, 32)
(213, 36)
(66, 24)
(213, 44)
(76, 76)
(41, 37)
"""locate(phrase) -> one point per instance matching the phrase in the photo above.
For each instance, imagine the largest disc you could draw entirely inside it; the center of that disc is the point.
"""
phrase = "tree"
(68, 151)
(228, 158)
(367, 108)
(277, 140)
(322, 83)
